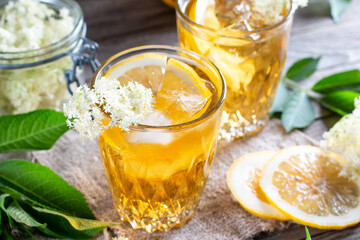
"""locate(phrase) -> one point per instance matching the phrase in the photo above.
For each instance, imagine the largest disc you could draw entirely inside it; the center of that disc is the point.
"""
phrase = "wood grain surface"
(121, 24)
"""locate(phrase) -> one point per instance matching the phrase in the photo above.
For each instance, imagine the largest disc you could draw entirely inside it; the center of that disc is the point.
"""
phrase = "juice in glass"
(157, 170)
(170, 3)
(249, 51)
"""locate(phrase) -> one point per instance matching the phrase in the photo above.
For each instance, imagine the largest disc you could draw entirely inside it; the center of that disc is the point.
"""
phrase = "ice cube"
(184, 95)
(156, 118)
(181, 106)
(191, 103)
(154, 136)
(248, 15)
(234, 14)
(155, 77)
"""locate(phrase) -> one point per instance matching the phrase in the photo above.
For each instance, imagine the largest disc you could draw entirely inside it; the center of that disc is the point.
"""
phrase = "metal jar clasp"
(86, 55)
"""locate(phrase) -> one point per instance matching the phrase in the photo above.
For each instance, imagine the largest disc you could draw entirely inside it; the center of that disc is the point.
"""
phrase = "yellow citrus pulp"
(243, 180)
(236, 69)
(304, 184)
(176, 85)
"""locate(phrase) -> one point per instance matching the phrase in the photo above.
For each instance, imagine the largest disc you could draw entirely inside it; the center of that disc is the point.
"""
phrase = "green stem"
(292, 85)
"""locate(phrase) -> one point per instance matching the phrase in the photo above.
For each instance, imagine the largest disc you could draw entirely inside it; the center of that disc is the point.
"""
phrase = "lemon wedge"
(237, 71)
(203, 13)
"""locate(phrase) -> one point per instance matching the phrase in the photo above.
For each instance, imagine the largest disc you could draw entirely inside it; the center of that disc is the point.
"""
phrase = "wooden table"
(121, 24)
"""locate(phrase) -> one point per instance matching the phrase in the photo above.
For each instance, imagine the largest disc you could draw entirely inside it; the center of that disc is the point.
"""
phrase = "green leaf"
(78, 223)
(6, 236)
(21, 216)
(58, 224)
(280, 99)
(341, 102)
(48, 233)
(338, 7)
(298, 113)
(2, 207)
(37, 130)
(308, 237)
(42, 186)
(303, 69)
(21, 228)
(349, 80)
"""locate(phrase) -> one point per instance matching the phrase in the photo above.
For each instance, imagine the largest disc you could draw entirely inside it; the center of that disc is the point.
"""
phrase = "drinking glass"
(156, 173)
(251, 61)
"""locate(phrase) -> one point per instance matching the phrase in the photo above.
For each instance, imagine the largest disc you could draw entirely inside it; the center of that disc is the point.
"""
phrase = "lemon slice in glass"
(180, 93)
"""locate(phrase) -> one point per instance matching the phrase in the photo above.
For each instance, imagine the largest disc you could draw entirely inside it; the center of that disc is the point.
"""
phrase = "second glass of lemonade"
(248, 43)
(157, 170)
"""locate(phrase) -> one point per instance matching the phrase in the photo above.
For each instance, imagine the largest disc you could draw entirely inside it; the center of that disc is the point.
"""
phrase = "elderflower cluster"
(123, 105)
(120, 238)
(25, 90)
(272, 11)
(344, 139)
(29, 24)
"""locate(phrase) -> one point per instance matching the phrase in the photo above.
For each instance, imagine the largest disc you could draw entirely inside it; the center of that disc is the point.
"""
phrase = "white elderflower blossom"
(344, 139)
(28, 25)
(125, 106)
(299, 3)
(120, 238)
(271, 11)
(356, 112)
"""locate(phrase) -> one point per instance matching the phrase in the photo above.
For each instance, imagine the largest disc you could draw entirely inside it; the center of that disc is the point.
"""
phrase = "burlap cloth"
(218, 216)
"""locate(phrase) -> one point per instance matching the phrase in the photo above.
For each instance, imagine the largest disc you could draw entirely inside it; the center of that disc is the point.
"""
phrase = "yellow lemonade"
(157, 170)
(249, 53)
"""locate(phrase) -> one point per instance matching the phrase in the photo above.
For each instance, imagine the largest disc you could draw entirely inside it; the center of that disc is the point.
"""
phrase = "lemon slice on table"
(303, 182)
(243, 180)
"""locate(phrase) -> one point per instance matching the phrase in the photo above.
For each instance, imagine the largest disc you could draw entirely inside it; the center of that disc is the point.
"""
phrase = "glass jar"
(42, 78)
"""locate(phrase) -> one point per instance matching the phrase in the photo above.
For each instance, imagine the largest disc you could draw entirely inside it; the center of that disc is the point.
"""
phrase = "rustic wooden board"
(121, 24)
